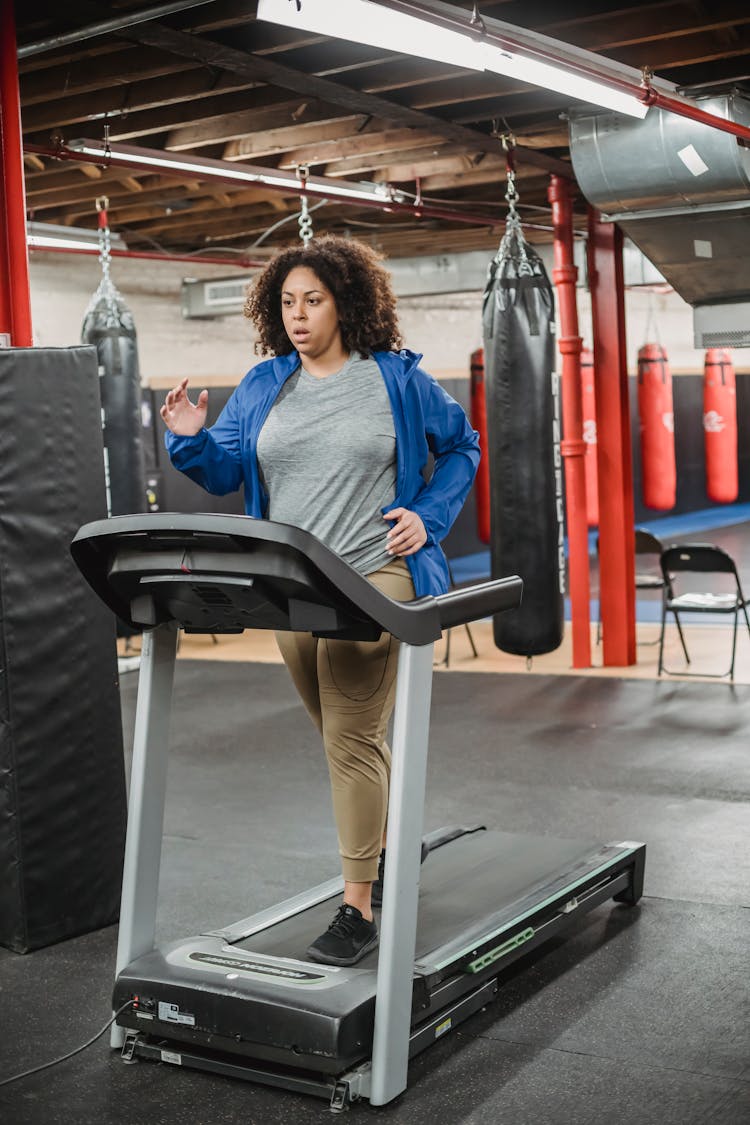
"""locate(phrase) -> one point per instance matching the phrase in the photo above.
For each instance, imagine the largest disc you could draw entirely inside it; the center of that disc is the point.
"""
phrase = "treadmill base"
(340, 1091)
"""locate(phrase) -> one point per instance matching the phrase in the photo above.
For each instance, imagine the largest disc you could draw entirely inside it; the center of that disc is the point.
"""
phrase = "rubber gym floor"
(639, 1017)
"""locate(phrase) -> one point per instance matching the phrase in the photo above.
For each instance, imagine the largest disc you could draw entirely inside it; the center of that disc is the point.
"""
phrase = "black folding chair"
(648, 576)
(700, 558)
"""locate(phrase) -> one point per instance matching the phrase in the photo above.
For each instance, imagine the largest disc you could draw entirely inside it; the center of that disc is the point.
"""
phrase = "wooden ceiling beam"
(84, 192)
(388, 76)
(687, 50)
(421, 240)
(124, 210)
(493, 174)
(252, 67)
(519, 111)
(119, 186)
(61, 175)
(613, 30)
(245, 123)
(193, 91)
(120, 70)
(307, 139)
(245, 222)
(542, 136)
(369, 161)
(425, 168)
(354, 146)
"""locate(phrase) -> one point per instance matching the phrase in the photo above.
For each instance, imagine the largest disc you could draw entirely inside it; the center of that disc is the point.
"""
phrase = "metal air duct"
(681, 191)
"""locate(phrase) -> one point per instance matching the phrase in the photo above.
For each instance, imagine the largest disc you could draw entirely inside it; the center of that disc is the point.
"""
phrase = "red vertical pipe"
(614, 463)
(572, 447)
(15, 301)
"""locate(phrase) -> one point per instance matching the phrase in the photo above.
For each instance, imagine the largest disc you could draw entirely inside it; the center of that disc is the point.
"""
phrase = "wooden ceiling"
(211, 81)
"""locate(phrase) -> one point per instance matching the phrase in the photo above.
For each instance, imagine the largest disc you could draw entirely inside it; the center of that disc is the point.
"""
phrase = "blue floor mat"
(476, 567)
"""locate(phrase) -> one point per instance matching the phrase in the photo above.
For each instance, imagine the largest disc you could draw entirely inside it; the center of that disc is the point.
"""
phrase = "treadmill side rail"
(398, 925)
(264, 919)
(148, 783)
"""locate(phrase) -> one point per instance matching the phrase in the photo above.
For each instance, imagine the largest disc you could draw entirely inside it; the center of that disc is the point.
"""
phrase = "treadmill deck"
(485, 899)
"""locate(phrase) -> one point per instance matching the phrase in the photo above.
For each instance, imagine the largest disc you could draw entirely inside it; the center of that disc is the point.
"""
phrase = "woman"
(333, 435)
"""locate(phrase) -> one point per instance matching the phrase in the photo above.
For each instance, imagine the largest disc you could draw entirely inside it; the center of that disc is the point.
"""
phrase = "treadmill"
(242, 999)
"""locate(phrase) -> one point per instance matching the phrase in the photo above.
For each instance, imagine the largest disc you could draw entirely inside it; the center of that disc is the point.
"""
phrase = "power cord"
(63, 1058)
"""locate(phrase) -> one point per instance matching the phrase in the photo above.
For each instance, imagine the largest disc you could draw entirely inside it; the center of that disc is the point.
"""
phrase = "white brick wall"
(445, 328)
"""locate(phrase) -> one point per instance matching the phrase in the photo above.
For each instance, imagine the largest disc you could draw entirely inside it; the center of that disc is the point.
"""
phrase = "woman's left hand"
(408, 533)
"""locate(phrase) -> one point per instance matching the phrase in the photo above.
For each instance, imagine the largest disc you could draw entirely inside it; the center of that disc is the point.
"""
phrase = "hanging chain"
(513, 244)
(106, 288)
(105, 244)
(511, 191)
(305, 220)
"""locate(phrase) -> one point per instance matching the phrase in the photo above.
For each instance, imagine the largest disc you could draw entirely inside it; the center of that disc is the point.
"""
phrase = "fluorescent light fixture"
(550, 77)
(363, 21)
(48, 236)
(207, 169)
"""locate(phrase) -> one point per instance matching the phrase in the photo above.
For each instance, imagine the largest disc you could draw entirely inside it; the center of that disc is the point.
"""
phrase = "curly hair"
(361, 288)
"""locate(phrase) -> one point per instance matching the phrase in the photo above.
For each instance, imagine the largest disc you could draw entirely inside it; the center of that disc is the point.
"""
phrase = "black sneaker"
(346, 940)
(377, 886)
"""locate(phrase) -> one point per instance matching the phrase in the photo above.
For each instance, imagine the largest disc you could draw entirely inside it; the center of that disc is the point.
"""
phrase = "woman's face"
(309, 313)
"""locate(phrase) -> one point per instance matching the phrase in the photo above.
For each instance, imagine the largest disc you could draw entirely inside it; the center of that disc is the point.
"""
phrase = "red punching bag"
(656, 416)
(479, 422)
(588, 405)
(720, 426)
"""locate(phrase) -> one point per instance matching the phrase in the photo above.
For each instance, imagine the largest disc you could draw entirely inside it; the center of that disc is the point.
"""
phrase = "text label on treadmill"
(171, 1013)
(300, 975)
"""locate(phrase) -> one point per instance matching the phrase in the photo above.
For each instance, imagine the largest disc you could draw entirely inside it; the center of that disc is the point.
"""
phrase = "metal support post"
(614, 457)
(15, 299)
(398, 926)
(572, 447)
(148, 783)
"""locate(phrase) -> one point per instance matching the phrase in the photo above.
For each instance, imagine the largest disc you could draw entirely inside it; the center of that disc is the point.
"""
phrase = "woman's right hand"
(180, 415)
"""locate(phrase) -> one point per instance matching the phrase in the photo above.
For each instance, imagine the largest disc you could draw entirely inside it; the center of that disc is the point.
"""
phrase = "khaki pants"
(349, 690)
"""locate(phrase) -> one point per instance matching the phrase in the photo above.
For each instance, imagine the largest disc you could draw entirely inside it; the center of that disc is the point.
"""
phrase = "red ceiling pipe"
(15, 299)
(155, 256)
(572, 446)
(614, 457)
(651, 96)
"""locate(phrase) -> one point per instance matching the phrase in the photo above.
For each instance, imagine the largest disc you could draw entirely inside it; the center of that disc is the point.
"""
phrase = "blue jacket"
(426, 420)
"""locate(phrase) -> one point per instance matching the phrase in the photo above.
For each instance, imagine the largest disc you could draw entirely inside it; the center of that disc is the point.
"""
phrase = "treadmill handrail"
(482, 599)
(418, 622)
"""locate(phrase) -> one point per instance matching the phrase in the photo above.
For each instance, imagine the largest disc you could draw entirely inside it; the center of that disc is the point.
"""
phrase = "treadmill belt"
(468, 879)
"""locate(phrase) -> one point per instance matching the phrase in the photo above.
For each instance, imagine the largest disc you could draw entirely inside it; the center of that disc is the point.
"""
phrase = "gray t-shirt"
(327, 457)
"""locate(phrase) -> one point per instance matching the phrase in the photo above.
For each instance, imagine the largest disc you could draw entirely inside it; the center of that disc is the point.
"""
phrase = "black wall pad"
(62, 783)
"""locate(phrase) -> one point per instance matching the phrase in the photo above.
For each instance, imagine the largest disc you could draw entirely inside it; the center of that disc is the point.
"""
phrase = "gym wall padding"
(62, 793)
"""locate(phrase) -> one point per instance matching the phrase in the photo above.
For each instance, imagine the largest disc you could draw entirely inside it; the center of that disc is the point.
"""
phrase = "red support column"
(614, 458)
(15, 301)
(572, 447)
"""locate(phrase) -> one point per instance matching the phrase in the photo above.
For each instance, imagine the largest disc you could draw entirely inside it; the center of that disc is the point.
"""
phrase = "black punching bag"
(108, 326)
(523, 444)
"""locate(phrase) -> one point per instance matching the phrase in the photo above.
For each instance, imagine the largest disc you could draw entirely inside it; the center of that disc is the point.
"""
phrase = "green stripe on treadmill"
(539, 906)
(499, 951)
